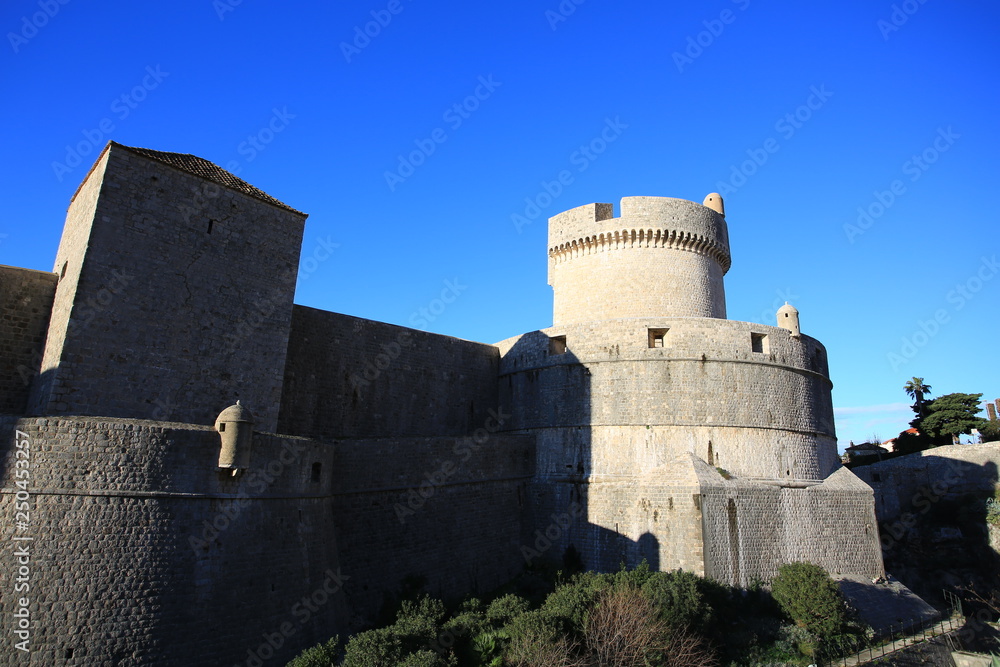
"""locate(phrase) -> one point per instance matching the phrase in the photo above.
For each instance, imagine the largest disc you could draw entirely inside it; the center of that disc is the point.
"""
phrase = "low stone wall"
(915, 482)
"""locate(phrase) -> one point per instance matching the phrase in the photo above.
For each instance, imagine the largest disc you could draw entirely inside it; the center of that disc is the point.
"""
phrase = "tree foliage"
(321, 655)
(952, 415)
(990, 431)
(916, 389)
(811, 598)
(908, 443)
(630, 618)
(680, 599)
(408, 641)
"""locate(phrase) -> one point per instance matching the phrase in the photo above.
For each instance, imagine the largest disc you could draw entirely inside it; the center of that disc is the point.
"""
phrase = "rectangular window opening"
(557, 345)
(658, 337)
(758, 342)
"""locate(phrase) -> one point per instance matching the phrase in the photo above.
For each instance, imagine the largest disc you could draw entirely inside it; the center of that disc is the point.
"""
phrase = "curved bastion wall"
(617, 398)
(662, 257)
(141, 551)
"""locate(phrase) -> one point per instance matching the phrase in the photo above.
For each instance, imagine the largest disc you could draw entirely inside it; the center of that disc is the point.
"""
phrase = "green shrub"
(571, 601)
(321, 655)
(796, 641)
(488, 647)
(633, 578)
(373, 648)
(503, 610)
(428, 658)
(418, 623)
(811, 598)
(461, 628)
(678, 597)
(534, 626)
(993, 511)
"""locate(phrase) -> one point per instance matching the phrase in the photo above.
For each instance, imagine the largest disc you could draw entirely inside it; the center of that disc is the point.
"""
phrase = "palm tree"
(916, 389)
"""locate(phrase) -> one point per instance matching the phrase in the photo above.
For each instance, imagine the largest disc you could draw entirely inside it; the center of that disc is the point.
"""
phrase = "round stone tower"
(641, 372)
(663, 257)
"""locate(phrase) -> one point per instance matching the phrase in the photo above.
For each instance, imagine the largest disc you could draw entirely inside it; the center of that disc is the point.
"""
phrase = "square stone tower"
(175, 291)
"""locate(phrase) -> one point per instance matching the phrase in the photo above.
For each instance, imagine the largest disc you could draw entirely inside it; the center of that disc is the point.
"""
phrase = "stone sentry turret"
(235, 427)
(788, 318)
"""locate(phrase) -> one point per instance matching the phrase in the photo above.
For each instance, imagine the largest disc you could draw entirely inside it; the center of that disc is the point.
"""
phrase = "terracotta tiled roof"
(202, 168)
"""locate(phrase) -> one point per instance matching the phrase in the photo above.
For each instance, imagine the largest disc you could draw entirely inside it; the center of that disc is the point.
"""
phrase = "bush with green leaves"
(419, 623)
(811, 598)
(321, 655)
(993, 509)
(503, 610)
(428, 658)
(536, 625)
(409, 641)
(373, 648)
(679, 599)
(630, 617)
(571, 601)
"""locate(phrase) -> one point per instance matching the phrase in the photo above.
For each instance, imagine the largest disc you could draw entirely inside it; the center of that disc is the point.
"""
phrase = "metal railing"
(897, 637)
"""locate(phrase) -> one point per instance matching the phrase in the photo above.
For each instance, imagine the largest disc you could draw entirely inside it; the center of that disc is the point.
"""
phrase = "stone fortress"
(166, 525)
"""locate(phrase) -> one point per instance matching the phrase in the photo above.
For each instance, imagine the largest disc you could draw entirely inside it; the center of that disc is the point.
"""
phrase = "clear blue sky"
(835, 105)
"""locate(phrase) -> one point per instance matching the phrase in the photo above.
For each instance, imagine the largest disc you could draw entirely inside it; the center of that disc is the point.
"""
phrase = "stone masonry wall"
(144, 553)
(656, 517)
(350, 377)
(914, 482)
(177, 301)
(25, 306)
(445, 512)
(612, 405)
(68, 266)
(751, 529)
(685, 515)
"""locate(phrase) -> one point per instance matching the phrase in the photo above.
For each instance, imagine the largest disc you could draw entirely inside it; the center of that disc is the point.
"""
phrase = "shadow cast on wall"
(548, 391)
